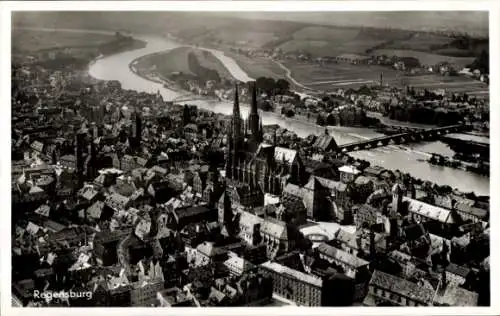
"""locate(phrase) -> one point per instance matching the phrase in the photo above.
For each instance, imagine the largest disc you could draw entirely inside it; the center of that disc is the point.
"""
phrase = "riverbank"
(391, 157)
(187, 94)
(337, 129)
(482, 168)
(163, 81)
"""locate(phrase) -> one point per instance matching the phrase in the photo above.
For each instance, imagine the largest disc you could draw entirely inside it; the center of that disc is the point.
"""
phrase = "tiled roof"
(292, 273)
(457, 296)
(346, 238)
(88, 192)
(373, 170)
(288, 155)
(275, 228)
(141, 161)
(293, 189)
(331, 184)
(369, 213)
(248, 220)
(35, 189)
(239, 263)
(68, 158)
(362, 180)
(313, 184)
(191, 211)
(324, 142)
(429, 211)
(341, 256)
(474, 211)
(124, 189)
(95, 210)
(158, 169)
(399, 256)
(38, 146)
(43, 210)
(458, 270)
(116, 200)
(208, 249)
(401, 286)
(137, 194)
(53, 225)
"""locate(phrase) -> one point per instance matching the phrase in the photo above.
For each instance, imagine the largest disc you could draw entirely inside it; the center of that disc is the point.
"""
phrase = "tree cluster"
(271, 86)
(351, 116)
(482, 62)
(423, 115)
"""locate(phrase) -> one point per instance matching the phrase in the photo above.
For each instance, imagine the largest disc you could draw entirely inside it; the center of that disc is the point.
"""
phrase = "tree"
(482, 62)
(282, 86)
(364, 90)
(290, 113)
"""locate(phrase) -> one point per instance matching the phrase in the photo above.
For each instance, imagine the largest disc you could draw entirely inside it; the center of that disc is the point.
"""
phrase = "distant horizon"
(474, 23)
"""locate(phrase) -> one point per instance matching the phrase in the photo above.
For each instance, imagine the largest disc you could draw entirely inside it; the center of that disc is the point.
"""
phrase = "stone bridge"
(402, 138)
(187, 98)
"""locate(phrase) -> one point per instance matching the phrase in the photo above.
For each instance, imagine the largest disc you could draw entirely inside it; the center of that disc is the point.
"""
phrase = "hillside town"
(121, 198)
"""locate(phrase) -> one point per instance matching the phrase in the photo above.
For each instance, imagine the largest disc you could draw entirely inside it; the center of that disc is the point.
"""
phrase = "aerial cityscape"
(230, 159)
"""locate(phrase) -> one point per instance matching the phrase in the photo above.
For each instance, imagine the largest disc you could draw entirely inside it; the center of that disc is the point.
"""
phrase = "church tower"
(397, 198)
(91, 161)
(235, 138)
(225, 213)
(254, 120)
(138, 131)
(79, 150)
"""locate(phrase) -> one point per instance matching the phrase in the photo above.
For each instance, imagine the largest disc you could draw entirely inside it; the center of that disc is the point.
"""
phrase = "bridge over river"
(188, 98)
(402, 138)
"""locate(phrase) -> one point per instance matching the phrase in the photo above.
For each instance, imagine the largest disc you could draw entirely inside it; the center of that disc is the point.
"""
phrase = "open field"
(335, 76)
(176, 60)
(333, 41)
(257, 67)
(419, 42)
(320, 48)
(321, 33)
(426, 58)
(241, 33)
(326, 41)
(249, 38)
(32, 40)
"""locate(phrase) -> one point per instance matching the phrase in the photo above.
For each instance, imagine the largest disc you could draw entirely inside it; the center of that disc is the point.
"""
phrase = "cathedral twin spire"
(238, 131)
(254, 124)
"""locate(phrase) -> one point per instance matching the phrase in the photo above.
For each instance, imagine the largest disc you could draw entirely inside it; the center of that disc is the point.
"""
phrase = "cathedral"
(253, 163)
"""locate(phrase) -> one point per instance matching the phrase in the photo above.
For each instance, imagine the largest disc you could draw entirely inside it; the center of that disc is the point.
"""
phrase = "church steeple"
(236, 120)
(236, 104)
(137, 130)
(253, 117)
(253, 110)
(235, 137)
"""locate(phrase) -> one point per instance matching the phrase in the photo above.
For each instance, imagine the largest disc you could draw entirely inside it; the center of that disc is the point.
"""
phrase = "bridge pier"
(412, 135)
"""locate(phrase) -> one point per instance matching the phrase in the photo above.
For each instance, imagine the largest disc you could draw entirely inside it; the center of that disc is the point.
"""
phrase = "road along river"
(405, 158)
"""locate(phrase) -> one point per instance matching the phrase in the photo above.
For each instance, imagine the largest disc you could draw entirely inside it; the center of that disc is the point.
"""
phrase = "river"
(405, 158)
